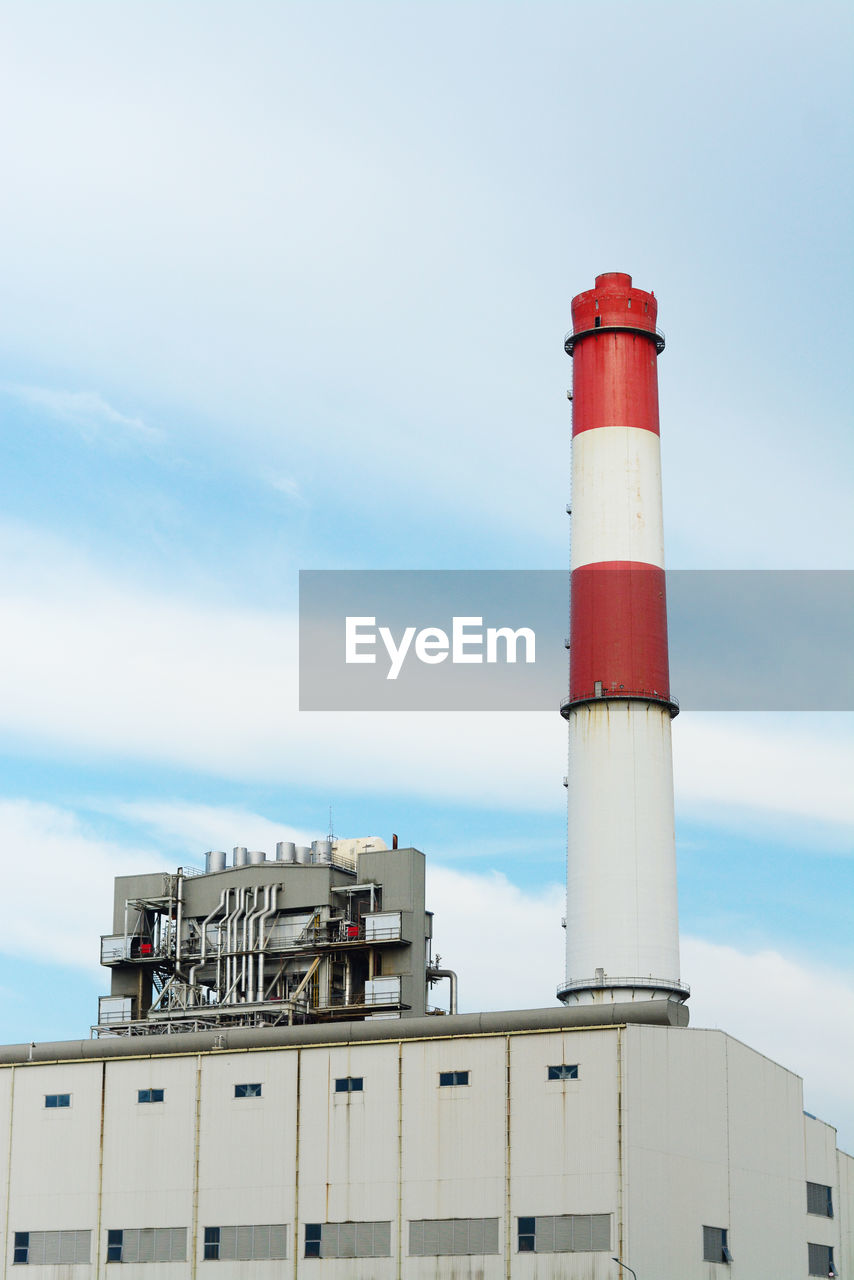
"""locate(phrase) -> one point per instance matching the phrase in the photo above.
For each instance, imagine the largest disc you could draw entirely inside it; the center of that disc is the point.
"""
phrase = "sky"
(284, 286)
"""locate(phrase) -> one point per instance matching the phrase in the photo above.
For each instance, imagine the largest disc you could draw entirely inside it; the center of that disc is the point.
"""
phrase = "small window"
(715, 1246)
(527, 1235)
(349, 1084)
(565, 1071)
(57, 1100)
(212, 1238)
(821, 1260)
(819, 1199)
(450, 1078)
(597, 323)
(114, 1246)
(629, 304)
(150, 1095)
(22, 1246)
(247, 1091)
(312, 1239)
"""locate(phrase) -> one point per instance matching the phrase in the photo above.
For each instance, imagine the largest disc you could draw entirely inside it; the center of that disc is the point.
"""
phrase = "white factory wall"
(665, 1130)
(845, 1173)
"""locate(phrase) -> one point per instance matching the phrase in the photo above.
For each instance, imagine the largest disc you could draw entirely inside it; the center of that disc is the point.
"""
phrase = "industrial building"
(333, 930)
(524, 1144)
(267, 1092)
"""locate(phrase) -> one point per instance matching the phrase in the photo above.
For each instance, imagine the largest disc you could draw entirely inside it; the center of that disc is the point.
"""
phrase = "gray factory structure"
(335, 930)
(268, 1093)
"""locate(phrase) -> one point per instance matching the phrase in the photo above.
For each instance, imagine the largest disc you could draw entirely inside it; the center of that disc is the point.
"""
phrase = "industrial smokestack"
(622, 939)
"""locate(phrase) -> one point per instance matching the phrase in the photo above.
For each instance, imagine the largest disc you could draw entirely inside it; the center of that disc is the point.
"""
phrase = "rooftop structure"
(337, 930)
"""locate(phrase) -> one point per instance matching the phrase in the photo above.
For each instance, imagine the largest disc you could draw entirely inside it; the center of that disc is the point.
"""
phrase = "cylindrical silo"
(286, 851)
(322, 850)
(215, 860)
(621, 921)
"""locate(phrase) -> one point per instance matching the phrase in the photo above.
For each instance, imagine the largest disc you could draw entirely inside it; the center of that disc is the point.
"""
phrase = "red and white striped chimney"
(622, 938)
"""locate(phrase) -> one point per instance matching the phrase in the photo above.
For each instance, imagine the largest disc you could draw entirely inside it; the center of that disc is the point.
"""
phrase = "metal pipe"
(271, 898)
(203, 950)
(179, 920)
(248, 944)
(230, 926)
(660, 1013)
(625, 1267)
(452, 977)
(219, 949)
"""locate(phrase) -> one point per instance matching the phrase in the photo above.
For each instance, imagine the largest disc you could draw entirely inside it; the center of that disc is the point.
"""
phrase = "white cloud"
(201, 826)
(798, 766)
(91, 662)
(88, 663)
(57, 894)
(289, 487)
(87, 410)
(506, 944)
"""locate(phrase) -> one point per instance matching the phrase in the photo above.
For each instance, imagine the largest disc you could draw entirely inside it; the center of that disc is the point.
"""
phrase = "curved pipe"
(259, 893)
(435, 974)
(207, 920)
(271, 898)
(230, 943)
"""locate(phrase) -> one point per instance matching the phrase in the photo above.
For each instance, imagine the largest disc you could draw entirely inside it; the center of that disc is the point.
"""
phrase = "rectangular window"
(262, 1243)
(150, 1095)
(147, 1244)
(565, 1233)
(446, 1237)
(449, 1078)
(247, 1091)
(527, 1235)
(348, 1240)
(57, 1100)
(819, 1199)
(565, 1071)
(821, 1260)
(52, 1248)
(715, 1246)
(349, 1084)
